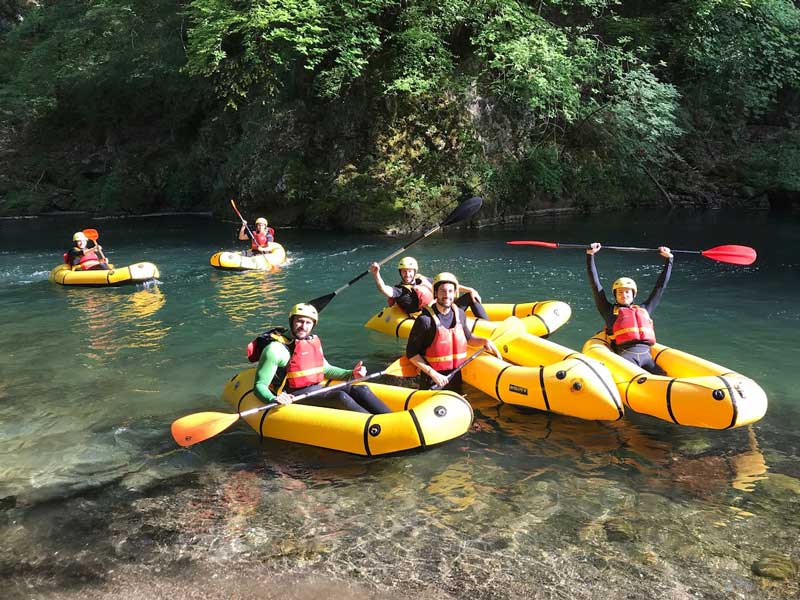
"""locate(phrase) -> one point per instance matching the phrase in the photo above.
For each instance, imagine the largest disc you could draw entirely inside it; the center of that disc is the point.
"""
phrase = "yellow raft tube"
(553, 378)
(696, 392)
(239, 261)
(136, 273)
(540, 318)
(420, 418)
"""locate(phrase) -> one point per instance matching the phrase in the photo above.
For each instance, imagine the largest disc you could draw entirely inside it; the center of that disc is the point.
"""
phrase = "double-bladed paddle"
(463, 211)
(199, 427)
(730, 253)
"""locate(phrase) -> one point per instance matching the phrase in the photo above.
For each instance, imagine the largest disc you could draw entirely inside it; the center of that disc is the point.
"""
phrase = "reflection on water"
(660, 465)
(113, 321)
(245, 295)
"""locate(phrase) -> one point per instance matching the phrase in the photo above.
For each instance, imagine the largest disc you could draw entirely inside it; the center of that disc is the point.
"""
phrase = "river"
(96, 499)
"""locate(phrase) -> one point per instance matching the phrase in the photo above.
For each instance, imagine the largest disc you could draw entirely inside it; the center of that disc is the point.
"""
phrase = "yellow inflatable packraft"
(239, 261)
(420, 418)
(551, 378)
(695, 392)
(136, 273)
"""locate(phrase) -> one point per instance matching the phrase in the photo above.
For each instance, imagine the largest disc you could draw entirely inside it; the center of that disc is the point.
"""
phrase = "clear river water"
(96, 499)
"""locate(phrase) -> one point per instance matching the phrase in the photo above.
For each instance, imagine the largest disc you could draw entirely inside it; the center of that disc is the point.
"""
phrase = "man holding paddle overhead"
(86, 258)
(628, 325)
(415, 291)
(437, 344)
(294, 365)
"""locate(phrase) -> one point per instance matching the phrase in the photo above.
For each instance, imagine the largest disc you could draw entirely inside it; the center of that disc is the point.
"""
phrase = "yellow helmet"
(624, 282)
(79, 236)
(444, 278)
(261, 221)
(304, 310)
(408, 262)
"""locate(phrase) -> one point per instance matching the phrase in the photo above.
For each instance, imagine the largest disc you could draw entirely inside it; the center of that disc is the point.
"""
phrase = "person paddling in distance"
(437, 344)
(262, 236)
(84, 257)
(414, 291)
(290, 366)
(628, 325)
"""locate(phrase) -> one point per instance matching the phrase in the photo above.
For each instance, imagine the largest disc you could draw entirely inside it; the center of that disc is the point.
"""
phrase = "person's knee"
(348, 403)
(367, 399)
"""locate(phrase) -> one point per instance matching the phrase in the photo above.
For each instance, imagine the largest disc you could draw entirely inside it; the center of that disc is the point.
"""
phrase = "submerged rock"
(780, 485)
(619, 530)
(776, 565)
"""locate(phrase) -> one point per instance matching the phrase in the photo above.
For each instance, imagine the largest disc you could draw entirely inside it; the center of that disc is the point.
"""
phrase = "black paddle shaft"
(463, 211)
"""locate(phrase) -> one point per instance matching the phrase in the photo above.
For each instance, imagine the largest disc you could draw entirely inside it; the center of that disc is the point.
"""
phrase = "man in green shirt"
(290, 366)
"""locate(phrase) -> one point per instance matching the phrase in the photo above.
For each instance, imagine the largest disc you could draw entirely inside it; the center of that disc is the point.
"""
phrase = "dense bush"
(365, 113)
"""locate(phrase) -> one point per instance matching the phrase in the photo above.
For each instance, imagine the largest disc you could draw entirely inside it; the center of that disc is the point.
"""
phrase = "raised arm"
(600, 300)
(658, 291)
(383, 288)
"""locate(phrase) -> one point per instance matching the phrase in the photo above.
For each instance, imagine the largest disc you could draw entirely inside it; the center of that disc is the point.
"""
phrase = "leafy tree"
(743, 53)
(263, 47)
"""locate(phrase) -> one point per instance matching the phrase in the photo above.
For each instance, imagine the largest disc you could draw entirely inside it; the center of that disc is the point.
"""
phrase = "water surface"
(96, 498)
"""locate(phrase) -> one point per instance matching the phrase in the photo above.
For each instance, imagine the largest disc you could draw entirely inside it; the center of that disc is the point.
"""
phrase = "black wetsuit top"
(423, 333)
(606, 308)
(407, 299)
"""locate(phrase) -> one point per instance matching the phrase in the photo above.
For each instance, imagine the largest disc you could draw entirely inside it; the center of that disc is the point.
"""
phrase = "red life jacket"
(306, 365)
(66, 258)
(421, 288)
(449, 347)
(633, 324)
(262, 239)
(88, 261)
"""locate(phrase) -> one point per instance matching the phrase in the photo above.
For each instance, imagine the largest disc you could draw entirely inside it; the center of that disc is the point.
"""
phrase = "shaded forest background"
(371, 114)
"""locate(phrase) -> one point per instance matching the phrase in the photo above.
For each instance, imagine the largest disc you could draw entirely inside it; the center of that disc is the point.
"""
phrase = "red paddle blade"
(91, 234)
(533, 243)
(198, 427)
(735, 255)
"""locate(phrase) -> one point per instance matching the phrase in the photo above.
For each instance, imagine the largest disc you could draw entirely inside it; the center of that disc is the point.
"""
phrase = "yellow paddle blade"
(402, 367)
(198, 427)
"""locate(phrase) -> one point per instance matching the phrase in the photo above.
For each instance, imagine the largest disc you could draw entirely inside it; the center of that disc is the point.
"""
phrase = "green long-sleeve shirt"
(276, 355)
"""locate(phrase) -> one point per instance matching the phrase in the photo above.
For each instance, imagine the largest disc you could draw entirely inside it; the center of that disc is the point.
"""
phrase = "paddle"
(94, 235)
(735, 255)
(198, 427)
(250, 233)
(463, 211)
(470, 358)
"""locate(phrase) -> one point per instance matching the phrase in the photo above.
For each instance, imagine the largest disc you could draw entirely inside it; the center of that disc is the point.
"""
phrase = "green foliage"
(260, 47)
(528, 60)
(742, 54)
(537, 176)
(87, 60)
(373, 112)
(773, 164)
(24, 201)
(639, 121)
